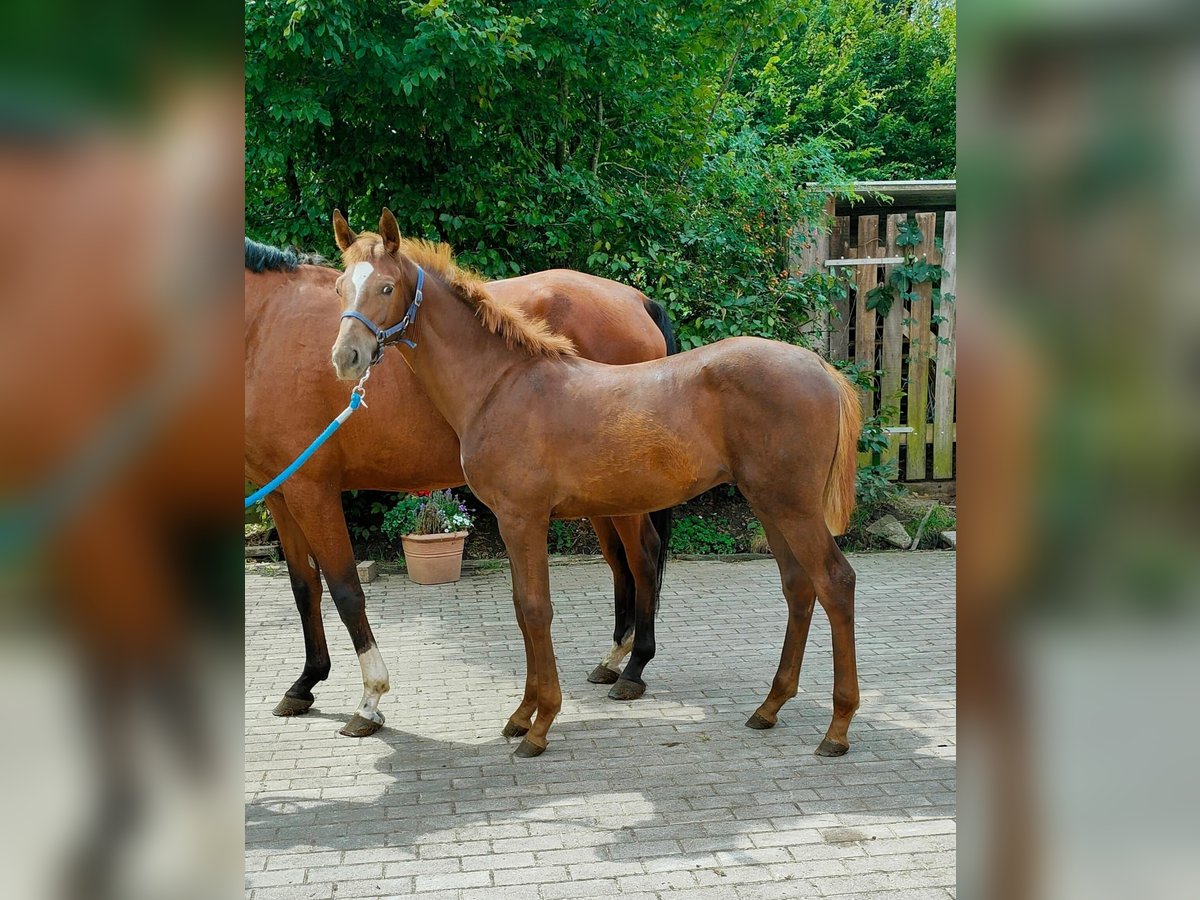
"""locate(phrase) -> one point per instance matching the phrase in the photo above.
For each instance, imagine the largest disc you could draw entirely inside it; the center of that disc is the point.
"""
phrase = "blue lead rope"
(356, 399)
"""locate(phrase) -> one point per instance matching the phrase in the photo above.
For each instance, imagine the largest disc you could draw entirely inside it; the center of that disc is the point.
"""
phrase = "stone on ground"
(889, 529)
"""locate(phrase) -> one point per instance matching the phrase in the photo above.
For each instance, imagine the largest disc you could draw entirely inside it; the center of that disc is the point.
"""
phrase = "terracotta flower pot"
(434, 558)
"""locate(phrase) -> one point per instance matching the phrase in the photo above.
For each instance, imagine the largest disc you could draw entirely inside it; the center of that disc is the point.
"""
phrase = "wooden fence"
(912, 347)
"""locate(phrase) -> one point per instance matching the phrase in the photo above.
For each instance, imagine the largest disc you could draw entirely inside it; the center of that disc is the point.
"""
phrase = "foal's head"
(374, 285)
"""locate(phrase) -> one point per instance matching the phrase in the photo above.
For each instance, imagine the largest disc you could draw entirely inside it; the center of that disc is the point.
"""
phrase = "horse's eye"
(387, 288)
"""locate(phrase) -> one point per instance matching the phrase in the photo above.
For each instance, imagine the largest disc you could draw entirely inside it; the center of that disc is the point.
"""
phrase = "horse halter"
(395, 334)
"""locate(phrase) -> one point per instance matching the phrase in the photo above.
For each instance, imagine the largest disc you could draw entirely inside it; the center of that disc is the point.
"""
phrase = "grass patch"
(758, 539)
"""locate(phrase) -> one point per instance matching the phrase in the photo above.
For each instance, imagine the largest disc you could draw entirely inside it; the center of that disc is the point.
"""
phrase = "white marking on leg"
(618, 652)
(358, 276)
(375, 683)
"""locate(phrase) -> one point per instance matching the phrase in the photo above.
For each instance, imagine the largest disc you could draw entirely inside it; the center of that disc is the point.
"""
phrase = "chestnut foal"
(546, 434)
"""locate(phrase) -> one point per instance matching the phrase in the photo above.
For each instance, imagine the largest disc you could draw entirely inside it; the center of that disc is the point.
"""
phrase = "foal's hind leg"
(624, 590)
(814, 548)
(306, 586)
(801, 596)
(641, 543)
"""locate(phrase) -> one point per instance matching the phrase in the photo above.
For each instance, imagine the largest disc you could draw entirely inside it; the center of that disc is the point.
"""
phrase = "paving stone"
(666, 798)
(448, 880)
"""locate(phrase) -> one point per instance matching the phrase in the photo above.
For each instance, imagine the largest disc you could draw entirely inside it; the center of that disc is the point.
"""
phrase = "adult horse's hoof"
(292, 706)
(602, 674)
(527, 749)
(831, 748)
(360, 726)
(627, 689)
(759, 722)
(512, 729)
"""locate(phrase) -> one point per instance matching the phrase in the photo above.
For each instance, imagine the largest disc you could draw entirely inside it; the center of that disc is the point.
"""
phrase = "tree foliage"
(664, 145)
(877, 76)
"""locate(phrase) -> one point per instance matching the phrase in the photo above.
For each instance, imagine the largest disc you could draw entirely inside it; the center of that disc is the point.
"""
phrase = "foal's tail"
(839, 486)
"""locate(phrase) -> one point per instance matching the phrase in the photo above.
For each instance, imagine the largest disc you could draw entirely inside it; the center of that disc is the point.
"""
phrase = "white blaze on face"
(358, 277)
(375, 683)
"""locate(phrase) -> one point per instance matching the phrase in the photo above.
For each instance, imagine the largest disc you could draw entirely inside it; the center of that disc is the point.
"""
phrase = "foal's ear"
(341, 231)
(389, 231)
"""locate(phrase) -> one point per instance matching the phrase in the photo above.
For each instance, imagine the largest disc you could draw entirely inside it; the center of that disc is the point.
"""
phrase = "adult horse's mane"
(517, 329)
(265, 258)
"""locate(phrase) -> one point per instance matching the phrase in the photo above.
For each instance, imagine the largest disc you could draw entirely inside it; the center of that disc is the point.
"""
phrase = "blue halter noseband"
(385, 336)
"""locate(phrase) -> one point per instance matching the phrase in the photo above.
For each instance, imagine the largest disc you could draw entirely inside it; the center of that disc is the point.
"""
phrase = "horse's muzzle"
(349, 362)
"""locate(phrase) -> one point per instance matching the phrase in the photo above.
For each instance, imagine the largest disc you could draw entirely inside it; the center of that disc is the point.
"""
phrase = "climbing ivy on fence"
(905, 277)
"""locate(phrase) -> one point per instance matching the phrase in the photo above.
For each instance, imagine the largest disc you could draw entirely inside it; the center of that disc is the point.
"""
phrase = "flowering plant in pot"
(432, 527)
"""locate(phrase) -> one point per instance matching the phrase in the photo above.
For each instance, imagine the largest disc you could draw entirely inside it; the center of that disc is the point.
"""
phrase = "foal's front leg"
(521, 721)
(525, 540)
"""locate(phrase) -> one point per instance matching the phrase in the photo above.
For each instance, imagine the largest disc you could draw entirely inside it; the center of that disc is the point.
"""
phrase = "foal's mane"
(517, 329)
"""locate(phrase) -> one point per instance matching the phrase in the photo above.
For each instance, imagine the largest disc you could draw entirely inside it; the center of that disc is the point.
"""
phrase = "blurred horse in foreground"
(119, 406)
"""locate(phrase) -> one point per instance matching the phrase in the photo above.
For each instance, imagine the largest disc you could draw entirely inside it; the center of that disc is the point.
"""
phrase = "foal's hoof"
(528, 749)
(759, 722)
(292, 706)
(361, 726)
(627, 689)
(602, 674)
(512, 729)
(831, 748)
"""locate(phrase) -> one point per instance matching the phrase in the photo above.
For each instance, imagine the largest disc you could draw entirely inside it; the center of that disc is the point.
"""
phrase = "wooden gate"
(912, 347)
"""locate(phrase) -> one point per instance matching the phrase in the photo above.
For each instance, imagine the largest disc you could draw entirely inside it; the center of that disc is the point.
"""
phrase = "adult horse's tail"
(839, 486)
(662, 520)
(656, 312)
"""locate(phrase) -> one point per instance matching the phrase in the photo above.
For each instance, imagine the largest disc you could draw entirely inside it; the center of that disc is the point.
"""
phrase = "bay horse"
(403, 444)
(546, 434)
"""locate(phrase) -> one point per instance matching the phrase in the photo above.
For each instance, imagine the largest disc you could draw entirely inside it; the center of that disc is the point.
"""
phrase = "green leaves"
(876, 78)
(909, 234)
(695, 534)
(879, 299)
(532, 136)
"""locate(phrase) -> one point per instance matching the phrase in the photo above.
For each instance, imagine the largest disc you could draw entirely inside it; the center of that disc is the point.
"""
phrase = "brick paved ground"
(666, 797)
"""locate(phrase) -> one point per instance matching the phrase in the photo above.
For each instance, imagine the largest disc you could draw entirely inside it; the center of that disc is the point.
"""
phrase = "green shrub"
(696, 535)
(561, 538)
(364, 511)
